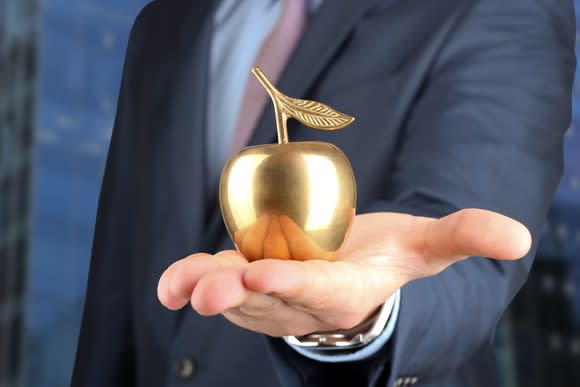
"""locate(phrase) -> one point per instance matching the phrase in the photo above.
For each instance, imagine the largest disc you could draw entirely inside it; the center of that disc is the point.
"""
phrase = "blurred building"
(80, 50)
(18, 76)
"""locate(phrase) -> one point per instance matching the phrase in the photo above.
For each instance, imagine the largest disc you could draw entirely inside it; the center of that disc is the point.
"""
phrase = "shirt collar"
(312, 5)
(227, 7)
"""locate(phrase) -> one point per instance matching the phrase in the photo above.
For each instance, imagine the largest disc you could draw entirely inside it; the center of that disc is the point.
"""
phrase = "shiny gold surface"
(290, 200)
(310, 113)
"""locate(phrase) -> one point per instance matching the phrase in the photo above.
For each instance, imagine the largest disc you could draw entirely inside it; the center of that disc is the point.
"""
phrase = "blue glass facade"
(81, 45)
(18, 76)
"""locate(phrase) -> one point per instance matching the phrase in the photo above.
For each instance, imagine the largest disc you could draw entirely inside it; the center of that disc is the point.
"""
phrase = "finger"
(339, 291)
(259, 305)
(178, 281)
(170, 301)
(301, 246)
(275, 245)
(473, 232)
(288, 280)
(283, 321)
(254, 238)
(219, 291)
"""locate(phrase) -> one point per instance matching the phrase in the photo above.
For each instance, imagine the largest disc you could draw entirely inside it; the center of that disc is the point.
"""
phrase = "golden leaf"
(314, 114)
(310, 113)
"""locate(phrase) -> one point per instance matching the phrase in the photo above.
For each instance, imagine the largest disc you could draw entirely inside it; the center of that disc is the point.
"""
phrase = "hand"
(383, 252)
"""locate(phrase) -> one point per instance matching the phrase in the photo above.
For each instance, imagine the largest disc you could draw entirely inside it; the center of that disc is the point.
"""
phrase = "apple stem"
(281, 116)
(281, 125)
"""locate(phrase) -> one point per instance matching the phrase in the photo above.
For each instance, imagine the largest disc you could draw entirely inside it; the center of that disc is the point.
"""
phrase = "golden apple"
(291, 200)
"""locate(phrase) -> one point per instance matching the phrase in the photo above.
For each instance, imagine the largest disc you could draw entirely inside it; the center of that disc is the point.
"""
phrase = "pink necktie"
(272, 58)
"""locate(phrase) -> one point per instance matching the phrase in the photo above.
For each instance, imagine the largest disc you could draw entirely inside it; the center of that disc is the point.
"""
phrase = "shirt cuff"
(365, 352)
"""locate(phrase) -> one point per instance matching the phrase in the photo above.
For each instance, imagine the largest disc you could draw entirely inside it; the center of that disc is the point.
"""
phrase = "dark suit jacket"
(459, 103)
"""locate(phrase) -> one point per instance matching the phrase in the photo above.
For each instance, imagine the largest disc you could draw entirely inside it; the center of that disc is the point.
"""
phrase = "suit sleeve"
(486, 131)
(105, 349)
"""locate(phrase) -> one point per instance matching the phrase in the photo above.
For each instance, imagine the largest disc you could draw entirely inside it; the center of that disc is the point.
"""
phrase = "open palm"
(383, 252)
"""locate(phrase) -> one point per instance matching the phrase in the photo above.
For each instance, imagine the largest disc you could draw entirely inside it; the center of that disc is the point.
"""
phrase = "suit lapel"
(190, 70)
(326, 31)
(178, 148)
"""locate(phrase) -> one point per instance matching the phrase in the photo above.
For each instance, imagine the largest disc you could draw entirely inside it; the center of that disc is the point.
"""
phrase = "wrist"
(360, 335)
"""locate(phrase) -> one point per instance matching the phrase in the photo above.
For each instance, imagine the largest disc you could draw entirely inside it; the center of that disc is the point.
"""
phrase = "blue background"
(81, 46)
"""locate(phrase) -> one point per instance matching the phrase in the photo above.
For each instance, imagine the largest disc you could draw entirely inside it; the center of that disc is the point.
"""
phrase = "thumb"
(474, 232)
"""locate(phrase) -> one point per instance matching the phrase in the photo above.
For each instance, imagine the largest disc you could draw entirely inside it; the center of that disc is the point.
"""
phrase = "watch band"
(356, 337)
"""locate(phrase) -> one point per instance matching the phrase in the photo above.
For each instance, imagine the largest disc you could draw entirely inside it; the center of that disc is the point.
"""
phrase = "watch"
(355, 337)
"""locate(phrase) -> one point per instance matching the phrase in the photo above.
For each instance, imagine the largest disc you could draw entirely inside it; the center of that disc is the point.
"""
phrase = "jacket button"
(184, 368)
